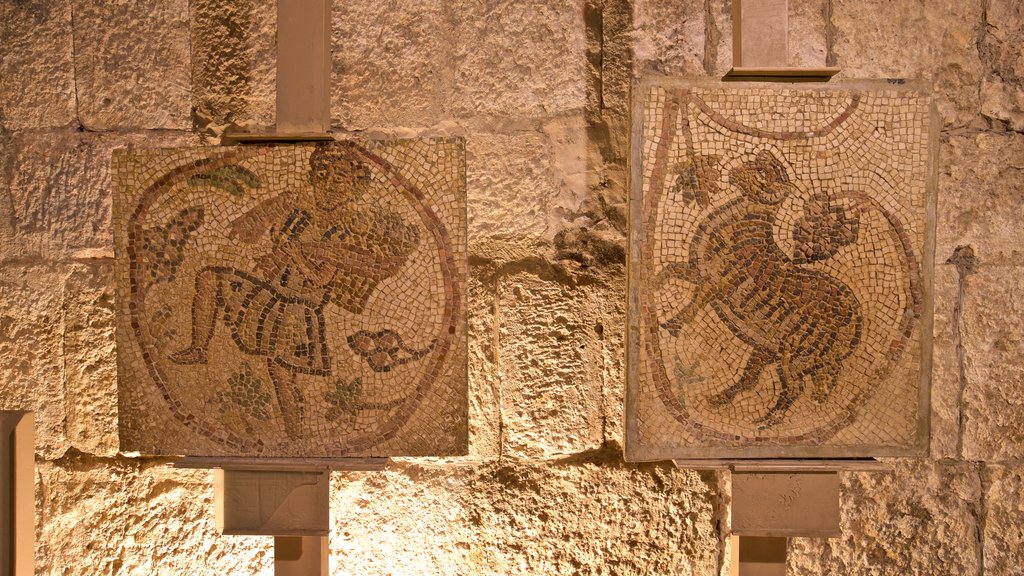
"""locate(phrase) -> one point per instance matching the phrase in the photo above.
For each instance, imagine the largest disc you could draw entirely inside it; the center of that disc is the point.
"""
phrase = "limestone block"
(234, 63)
(936, 41)
(484, 384)
(981, 186)
(37, 84)
(31, 346)
(1004, 536)
(807, 27)
(519, 59)
(508, 184)
(550, 397)
(392, 63)
(994, 392)
(410, 519)
(921, 518)
(55, 196)
(90, 363)
(669, 37)
(945, 397)
(122, 516)
(132, 64)
(592, 517)
(1002, 92)
(580, 518)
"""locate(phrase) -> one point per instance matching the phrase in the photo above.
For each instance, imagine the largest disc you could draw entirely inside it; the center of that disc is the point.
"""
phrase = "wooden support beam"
(17, 493)
(303, 66)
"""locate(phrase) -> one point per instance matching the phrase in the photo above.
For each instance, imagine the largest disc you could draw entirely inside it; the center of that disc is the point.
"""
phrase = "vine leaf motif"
(686, 376)
(247, 393)
(232, 178)
(163, 247)
(385, 349)
(344, 399)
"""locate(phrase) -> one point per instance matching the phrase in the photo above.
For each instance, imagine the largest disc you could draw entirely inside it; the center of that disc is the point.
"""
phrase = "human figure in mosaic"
(323, 252)
(804, 321)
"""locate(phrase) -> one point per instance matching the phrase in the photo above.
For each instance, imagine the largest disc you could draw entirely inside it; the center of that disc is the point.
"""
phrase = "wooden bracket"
(287, 498)
(774, 500)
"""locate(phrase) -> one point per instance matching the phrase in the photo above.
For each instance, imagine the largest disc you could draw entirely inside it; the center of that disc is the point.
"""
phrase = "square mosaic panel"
(292, 300)
(781, 250)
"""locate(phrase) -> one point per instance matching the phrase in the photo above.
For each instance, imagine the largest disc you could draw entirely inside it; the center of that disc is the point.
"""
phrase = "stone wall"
(539, 88)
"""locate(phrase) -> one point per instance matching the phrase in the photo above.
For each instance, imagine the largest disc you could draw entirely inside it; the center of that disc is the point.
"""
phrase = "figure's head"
(764, 180)
(336, 175)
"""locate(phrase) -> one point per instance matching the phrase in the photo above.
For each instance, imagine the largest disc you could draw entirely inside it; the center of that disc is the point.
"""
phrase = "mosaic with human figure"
(781, 245)
(302, 300)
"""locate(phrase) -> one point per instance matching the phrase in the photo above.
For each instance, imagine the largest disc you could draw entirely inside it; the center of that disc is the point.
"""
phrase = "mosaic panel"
(292, 300)
(780, 260)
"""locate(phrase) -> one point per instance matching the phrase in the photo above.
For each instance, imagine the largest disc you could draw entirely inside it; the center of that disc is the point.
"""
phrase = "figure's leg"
(705, 293)
(205, 305)
(791, 386)
(289, 398)
(751, 373)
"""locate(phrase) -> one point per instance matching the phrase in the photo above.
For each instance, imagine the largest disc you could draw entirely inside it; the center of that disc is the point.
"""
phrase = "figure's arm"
(250, 226)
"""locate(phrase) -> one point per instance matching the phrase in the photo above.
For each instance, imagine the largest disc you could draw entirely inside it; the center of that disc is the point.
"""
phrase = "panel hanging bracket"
(760, 45)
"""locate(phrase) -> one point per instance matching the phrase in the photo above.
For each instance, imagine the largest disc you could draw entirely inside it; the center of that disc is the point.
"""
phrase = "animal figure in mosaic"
(327, 252)
(804, 321)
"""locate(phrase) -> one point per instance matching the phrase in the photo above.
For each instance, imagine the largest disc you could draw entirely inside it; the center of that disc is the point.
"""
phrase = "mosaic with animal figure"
(781, 246)
(292, 300)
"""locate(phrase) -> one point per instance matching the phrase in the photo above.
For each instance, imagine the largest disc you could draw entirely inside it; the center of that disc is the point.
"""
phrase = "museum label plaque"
(781, 248)
(292, 300)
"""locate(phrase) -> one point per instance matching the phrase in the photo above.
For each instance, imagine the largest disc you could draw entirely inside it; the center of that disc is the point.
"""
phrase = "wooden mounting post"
(17, 493)
(760, 44)
(303, 66)
(303, 74)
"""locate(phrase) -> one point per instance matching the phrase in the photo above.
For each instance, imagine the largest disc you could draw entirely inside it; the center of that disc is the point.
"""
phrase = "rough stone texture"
(31, 342)
(994, 392)
(586, 517)
(981, 183)
(550, 400)
(1003, 531)
(508, 183)
(807, 28)
(123, 516)
(55, 192)
(484, 383)
(668, 36)
(90, 363)
(921, 518)
(234, 64)
(540, 90)
(934, 40)
(36, 68)
(946, 381)
(132, 64)
(1002, 92)
(391, 67)
(518, 58)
